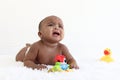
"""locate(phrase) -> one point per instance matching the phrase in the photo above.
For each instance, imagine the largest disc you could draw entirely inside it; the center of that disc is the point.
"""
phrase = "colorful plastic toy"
(107, 56)
(60, 58)
(60, 65)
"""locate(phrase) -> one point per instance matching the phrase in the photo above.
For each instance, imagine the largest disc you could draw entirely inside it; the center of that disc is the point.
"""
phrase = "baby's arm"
(70, 60)
(30, 59)
(73, 63)
(32, 65)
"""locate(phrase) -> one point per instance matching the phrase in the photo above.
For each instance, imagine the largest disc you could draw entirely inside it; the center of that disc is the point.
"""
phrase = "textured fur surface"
(90, 69)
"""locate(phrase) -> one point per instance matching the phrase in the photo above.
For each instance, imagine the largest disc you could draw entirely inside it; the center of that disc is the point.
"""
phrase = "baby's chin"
(55, 40)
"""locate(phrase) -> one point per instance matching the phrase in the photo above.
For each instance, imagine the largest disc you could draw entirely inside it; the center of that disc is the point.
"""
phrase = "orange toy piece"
(107, 56)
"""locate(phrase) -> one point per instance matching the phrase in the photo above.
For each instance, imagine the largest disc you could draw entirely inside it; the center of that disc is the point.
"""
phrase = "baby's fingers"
(74, 66)
(42, 67)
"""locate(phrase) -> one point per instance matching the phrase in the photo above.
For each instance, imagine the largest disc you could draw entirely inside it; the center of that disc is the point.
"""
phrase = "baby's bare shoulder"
(63, 46)
(35, 45)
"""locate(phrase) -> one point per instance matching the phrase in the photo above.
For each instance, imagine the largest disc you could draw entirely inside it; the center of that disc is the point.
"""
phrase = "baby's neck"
(49, 44)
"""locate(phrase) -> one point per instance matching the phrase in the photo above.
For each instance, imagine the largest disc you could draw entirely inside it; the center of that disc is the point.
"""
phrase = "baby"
(43, 52)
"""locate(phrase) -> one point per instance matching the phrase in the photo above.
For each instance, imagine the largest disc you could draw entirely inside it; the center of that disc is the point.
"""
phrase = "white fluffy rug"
(90, 69)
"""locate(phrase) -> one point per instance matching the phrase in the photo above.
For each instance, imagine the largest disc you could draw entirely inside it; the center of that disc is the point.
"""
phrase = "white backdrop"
(90, 25)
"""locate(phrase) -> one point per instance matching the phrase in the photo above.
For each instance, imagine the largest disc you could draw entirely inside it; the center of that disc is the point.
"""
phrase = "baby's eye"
(51, 24)
(60, 26)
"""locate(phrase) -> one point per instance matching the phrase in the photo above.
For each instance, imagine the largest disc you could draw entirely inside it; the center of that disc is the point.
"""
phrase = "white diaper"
(27, 50)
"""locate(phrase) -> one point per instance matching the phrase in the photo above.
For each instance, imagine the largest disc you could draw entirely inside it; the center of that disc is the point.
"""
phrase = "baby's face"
(52, 29)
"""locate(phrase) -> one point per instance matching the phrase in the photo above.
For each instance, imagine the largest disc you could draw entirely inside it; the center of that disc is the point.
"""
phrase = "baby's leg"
(21, 54)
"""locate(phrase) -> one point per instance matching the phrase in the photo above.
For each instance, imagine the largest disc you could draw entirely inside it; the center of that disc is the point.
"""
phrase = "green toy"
(56, 68)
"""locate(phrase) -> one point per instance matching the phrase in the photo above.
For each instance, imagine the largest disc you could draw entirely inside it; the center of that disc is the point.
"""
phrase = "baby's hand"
(42, 66)
(74, 65)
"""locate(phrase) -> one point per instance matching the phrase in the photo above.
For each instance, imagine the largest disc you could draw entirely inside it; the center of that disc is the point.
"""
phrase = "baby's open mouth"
(56, 33)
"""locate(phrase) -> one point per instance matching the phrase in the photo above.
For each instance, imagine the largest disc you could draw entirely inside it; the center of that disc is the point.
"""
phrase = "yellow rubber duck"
(107, 56)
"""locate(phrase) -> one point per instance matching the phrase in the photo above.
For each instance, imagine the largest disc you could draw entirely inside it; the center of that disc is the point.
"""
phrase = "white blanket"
(90, 69)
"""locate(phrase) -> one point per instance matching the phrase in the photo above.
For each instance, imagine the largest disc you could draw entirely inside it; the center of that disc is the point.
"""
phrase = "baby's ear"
(39, 34)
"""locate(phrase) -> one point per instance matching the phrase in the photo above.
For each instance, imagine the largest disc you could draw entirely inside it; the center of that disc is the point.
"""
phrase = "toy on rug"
(60, 65)
(107, 56)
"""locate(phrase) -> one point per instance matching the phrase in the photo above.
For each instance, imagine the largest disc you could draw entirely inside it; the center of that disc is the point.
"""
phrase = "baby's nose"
(56, 26)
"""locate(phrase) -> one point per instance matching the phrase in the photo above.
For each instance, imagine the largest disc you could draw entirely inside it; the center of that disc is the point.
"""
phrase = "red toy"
(60, 58)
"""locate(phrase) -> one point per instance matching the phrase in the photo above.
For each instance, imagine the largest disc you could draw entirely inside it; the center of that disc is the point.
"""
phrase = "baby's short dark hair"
(39, 28)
